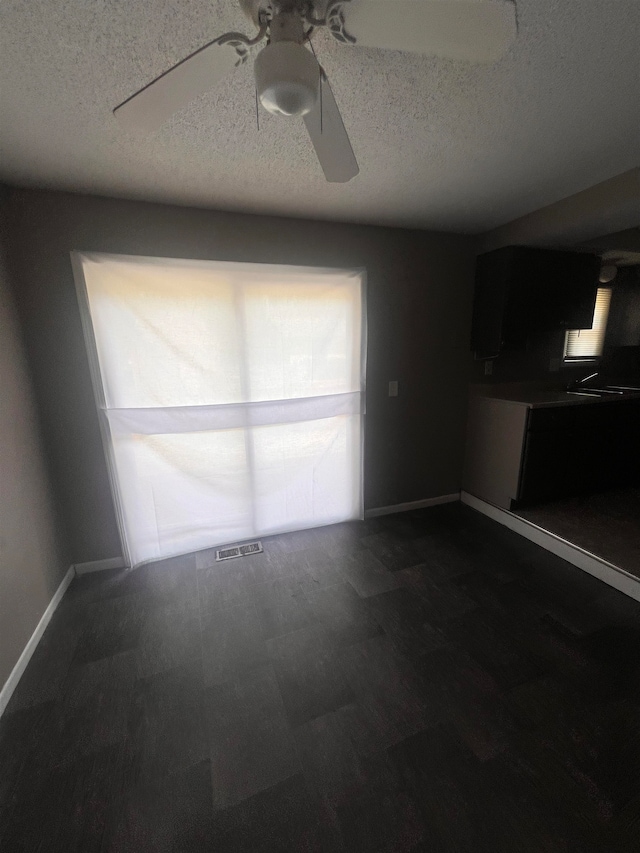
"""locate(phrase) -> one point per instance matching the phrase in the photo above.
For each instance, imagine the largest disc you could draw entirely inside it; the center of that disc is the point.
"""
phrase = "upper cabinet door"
(523, 292)
(572, 290)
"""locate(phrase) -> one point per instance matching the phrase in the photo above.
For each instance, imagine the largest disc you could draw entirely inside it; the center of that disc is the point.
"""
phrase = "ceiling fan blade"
(149, 108)
(472, 30)
(329, 137)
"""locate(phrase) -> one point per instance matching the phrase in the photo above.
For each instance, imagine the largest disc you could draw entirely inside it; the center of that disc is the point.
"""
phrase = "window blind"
(588, 343)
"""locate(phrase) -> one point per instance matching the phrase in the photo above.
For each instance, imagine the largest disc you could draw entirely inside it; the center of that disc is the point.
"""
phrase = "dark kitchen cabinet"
(623, 448)
(523, 292)
(546, 468)
(578, 449)
(548, 448)
(623, 328)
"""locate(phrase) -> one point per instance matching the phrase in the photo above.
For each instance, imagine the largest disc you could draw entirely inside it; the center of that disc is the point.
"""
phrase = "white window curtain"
(232, 396)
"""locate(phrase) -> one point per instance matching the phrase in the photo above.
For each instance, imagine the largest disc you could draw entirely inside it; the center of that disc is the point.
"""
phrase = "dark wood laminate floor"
(605, 523)
(422, 682)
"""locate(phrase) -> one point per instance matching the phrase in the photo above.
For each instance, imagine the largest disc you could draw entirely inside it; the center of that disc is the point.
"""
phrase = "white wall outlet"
(393, 388)
(488, 368)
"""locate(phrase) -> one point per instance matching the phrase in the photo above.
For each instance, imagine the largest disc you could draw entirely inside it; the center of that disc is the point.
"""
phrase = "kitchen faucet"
(577, 383)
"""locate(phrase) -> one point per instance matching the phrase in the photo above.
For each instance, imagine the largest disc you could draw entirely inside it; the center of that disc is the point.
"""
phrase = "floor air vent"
(238, 551)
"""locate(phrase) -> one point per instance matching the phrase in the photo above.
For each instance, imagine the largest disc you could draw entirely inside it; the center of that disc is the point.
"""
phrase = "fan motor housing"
(256, 10)
(253, 9)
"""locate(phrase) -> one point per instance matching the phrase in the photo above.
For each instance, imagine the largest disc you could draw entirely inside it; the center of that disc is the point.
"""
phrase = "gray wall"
(613, 205)
(32, 561)
(419, 304)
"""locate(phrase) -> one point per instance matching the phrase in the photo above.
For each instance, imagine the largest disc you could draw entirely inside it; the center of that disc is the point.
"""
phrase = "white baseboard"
(585, 560)
(16, 674)
(100, 565)
(389, 510)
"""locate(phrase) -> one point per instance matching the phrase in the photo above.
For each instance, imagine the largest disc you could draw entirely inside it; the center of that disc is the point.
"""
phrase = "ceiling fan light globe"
(287, 99)
(607, 273)
(287, 78)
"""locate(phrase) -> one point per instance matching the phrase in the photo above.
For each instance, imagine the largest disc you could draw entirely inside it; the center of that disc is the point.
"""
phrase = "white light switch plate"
(393, 388)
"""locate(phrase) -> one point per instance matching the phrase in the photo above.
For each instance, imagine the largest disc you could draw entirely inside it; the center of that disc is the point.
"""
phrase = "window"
(587, 344)
(232, 396)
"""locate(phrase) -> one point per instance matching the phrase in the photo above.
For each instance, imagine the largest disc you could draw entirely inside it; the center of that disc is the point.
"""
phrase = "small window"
(587, 344)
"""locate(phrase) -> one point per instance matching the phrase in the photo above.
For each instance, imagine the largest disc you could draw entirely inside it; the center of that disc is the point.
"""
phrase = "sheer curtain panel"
(231, 396)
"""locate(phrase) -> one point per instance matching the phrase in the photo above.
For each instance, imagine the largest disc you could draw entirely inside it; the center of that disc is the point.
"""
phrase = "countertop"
(541, 399)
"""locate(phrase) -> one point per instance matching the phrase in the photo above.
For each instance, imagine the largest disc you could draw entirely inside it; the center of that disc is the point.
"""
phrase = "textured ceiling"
(440, 144)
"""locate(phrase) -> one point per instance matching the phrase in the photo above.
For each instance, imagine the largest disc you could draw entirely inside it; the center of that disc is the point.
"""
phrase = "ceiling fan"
(289, 80)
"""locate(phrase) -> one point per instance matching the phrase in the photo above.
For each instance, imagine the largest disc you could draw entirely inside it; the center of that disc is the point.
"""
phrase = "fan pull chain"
(257, 111)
